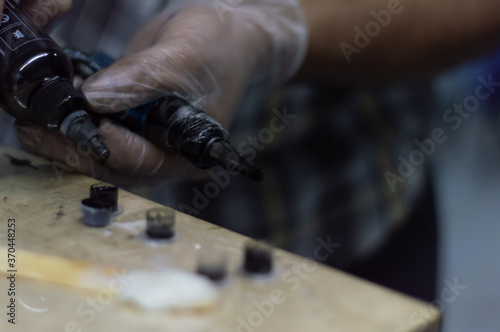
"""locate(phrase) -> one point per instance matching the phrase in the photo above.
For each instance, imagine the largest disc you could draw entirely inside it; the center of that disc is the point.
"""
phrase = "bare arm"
(367, 41)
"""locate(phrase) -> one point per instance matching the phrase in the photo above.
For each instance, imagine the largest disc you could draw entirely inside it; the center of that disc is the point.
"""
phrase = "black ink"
(19, 162)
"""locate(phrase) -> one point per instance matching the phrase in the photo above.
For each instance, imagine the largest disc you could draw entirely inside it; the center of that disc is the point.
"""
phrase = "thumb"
(143, 77)
(128, 82)
(45, 13)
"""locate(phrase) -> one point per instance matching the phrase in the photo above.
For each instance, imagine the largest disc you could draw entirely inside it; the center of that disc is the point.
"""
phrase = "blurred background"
(466, 170)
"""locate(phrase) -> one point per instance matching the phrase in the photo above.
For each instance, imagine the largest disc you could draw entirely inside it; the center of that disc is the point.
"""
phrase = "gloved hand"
(201, 51)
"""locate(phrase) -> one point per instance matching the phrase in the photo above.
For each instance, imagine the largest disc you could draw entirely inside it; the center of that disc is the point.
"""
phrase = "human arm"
(419, 38)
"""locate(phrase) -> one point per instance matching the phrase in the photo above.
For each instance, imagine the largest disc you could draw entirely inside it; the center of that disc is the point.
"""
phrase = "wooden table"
(46, 209)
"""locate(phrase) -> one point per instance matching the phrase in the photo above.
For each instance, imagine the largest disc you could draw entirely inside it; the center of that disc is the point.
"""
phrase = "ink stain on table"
(19, 162)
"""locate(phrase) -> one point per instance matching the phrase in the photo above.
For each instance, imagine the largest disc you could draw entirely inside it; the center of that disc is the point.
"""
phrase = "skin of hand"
(196, 53)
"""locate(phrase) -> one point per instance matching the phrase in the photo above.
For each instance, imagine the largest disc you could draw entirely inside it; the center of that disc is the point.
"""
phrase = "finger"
(46, 12)
(132, 154)
(147, 36)
(59, 150)
(143, 77)
(133, 161)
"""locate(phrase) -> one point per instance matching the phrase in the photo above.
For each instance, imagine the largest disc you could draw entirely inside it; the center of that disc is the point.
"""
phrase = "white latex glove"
(200, 52)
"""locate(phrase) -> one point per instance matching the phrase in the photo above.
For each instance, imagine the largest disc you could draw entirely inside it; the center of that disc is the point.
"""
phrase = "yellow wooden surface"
(46, 208)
